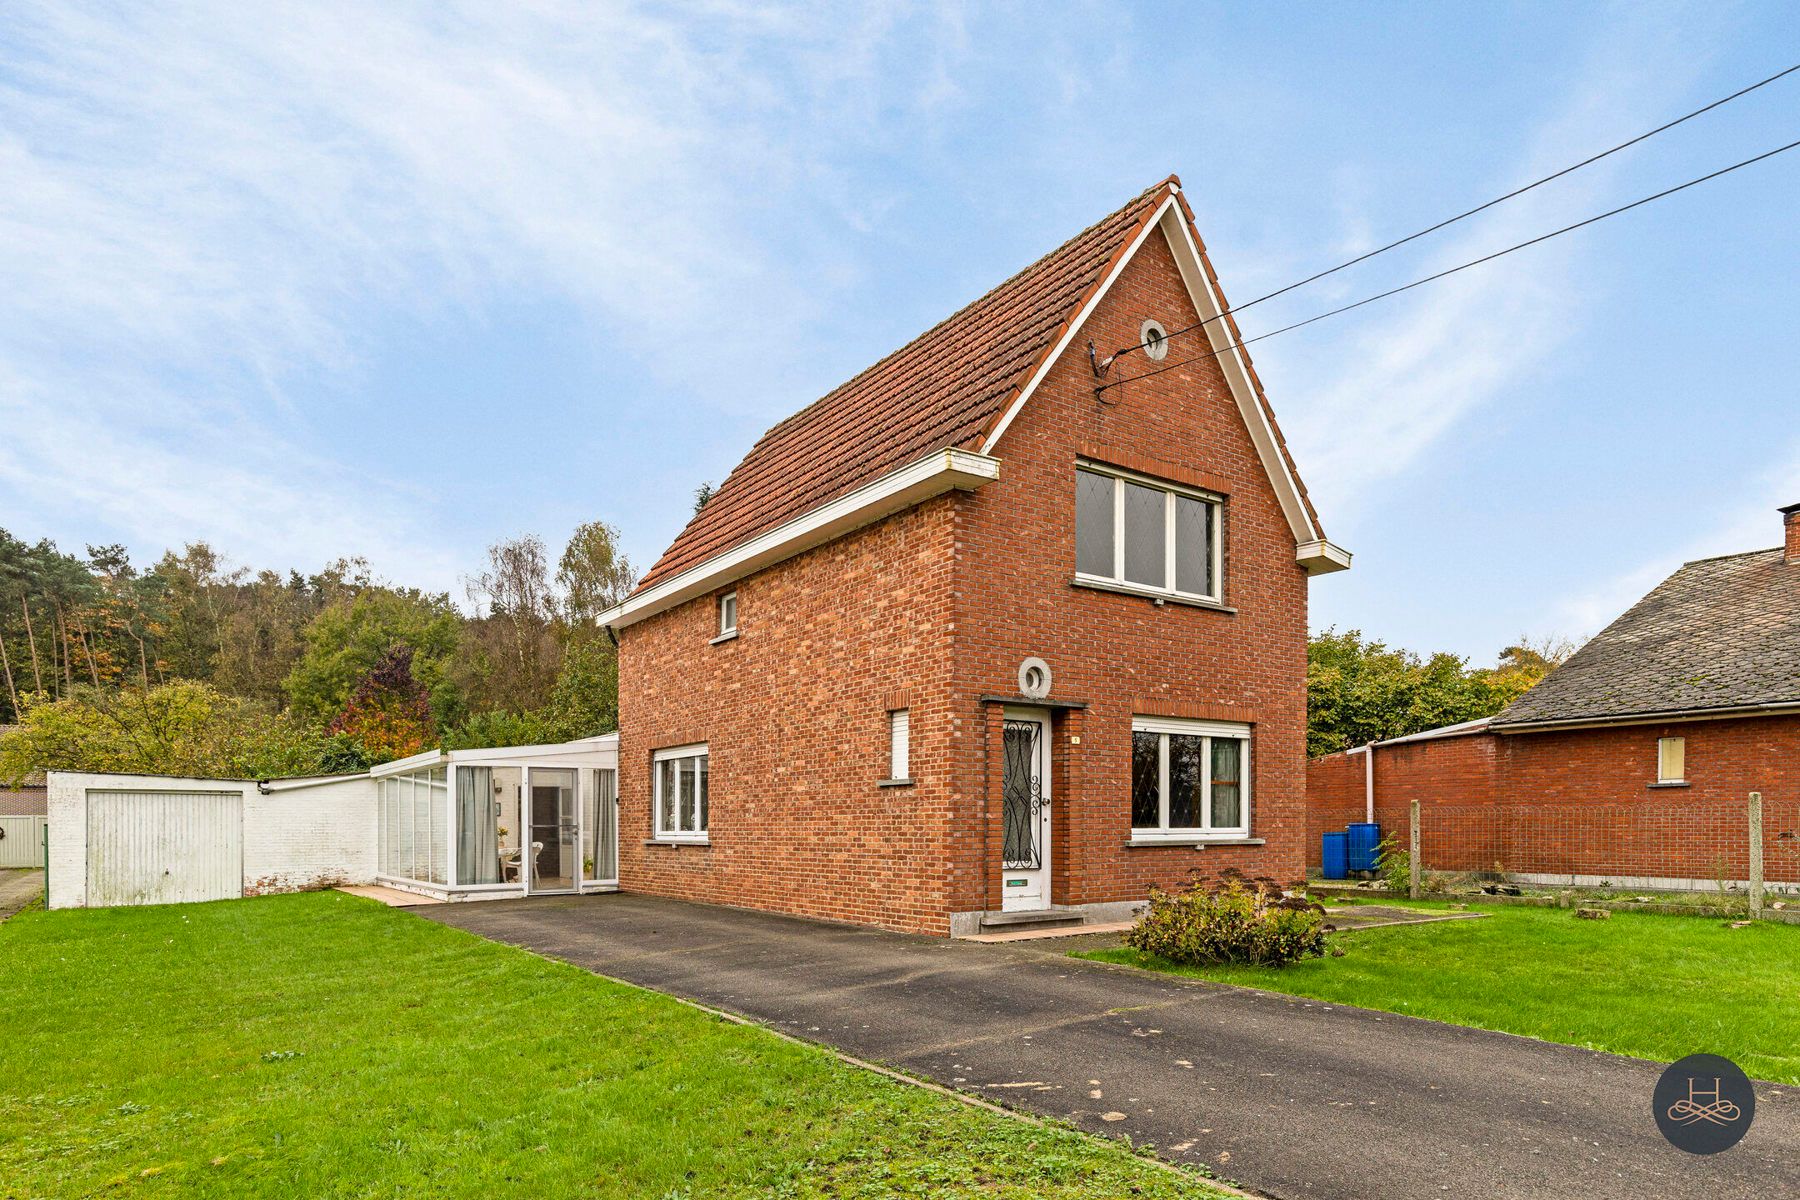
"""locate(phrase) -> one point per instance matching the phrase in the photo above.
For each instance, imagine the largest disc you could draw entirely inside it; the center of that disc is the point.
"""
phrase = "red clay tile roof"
(944, 388)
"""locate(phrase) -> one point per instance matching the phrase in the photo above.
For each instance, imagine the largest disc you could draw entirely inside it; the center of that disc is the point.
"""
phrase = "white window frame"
(1170, 491)
(1663, 746)
(728, 603)
(697, 750)
(899, 745)
(1210, 730)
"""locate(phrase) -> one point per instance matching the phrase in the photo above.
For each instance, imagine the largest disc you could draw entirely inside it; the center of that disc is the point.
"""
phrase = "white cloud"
(1375, 393)
(1750, 522)
(205, 205)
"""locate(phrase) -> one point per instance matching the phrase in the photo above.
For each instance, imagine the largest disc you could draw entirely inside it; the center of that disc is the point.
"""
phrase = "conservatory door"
(555, 848)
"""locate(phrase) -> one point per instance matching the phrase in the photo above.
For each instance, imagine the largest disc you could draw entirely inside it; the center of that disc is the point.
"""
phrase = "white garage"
(153, 839)
(154, 847)
(477, 824)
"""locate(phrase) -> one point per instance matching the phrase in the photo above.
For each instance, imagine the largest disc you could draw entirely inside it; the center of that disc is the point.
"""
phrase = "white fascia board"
(1237, 374)
(428, 758)
(940, 471)
(1320, 557)
(577, 753)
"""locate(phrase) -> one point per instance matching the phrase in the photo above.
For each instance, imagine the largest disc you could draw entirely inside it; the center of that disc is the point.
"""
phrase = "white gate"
(22, 841)
(164, 847)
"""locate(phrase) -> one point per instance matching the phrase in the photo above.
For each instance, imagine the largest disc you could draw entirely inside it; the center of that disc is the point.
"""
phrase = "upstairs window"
(1146, 536)
(728, 615)
(1189, 779)
(1671, 760)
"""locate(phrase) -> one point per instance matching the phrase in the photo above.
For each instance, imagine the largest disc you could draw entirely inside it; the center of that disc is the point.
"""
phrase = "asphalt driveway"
(1293, 1098)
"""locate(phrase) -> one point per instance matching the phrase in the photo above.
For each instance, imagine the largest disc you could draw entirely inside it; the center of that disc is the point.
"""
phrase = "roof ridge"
(1694, 562)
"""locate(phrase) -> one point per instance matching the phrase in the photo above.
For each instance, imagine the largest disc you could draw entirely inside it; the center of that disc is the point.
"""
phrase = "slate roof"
(944, 389)
(1719, 634)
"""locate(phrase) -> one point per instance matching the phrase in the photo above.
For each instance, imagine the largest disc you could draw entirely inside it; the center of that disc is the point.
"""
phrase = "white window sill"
(1197, 841)
(1148, 593)
(895, 783)
(723, 637)
(678, 841)
(1670, 783)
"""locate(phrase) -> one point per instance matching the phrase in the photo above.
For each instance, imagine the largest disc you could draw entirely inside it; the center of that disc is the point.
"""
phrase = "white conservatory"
(509, 821)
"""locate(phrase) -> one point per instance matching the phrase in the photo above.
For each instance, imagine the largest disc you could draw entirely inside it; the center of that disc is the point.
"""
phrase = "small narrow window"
(899, 744)
(728, 614)
(1671, 760)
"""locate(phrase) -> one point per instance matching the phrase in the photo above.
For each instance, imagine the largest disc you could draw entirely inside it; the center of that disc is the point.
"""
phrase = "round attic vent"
(1155, 340)
(1034, 679)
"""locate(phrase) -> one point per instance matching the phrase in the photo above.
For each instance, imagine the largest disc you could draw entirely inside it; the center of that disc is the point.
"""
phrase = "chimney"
(1791, 519)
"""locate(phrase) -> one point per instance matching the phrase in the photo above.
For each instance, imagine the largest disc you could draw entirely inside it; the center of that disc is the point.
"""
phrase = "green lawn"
(322, 1045)
(1653, 986)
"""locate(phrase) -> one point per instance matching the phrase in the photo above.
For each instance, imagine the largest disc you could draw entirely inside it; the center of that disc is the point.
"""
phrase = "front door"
(1025, 810)
(554, 845)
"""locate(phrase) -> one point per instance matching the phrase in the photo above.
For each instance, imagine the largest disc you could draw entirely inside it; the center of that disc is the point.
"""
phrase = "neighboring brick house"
(967, 642)
(1630, 763)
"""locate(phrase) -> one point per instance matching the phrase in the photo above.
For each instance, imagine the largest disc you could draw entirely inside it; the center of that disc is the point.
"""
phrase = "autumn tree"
(389, 713)
(1359, 691)
(351, 635)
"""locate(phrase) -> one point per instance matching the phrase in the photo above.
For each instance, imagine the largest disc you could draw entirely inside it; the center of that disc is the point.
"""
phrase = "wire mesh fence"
(1714, 847)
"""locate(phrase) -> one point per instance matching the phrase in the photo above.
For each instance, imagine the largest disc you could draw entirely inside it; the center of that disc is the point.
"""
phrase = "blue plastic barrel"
(1335, 856)
(1365, 845)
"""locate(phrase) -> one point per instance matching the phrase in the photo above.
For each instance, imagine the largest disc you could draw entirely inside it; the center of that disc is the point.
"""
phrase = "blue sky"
(398, 280)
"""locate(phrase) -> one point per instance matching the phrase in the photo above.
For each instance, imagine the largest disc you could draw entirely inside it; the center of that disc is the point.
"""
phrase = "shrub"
(1393, 864)
(1254, 925)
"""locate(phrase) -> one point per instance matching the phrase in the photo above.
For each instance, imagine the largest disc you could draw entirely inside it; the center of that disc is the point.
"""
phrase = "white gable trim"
(936, 473)
(1313, 553)
(1087, 310)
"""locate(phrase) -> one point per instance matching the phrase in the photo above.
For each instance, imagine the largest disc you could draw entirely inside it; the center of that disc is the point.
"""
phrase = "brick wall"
(1581, 802)
(935, 608)
(1124, 655)
(794, 714)
(1443, 771)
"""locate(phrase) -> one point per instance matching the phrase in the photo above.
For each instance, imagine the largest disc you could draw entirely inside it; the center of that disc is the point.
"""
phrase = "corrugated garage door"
(164, 847)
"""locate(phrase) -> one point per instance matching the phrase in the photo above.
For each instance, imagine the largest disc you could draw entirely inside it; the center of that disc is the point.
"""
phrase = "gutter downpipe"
(1369, 782)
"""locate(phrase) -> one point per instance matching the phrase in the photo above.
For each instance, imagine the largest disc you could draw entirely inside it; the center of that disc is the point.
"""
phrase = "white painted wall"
(296, 836)
(309, 837)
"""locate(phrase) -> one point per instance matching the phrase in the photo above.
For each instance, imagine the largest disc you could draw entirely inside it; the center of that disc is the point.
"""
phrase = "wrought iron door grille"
(1022, 796)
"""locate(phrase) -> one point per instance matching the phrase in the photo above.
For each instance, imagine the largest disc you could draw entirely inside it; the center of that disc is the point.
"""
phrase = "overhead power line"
(1474, 262)
(1479, 208)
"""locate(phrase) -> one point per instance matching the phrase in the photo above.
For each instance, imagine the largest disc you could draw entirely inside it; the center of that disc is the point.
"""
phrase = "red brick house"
(969, 642)
(1631, 763)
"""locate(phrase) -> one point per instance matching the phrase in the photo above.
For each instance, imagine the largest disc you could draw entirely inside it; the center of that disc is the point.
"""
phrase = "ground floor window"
(681, 793)
(1189, 778)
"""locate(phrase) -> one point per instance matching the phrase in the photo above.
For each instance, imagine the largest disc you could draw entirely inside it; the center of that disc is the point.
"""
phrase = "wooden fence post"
(1412, 856)
(1756, 855)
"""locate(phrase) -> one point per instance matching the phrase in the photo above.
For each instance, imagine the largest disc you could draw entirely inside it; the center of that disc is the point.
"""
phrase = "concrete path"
(17, 889)
(1288, 1097)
